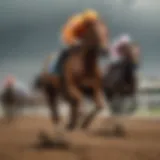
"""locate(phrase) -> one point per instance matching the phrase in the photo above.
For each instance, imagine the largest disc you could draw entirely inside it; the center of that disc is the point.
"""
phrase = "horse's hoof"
(119, 131)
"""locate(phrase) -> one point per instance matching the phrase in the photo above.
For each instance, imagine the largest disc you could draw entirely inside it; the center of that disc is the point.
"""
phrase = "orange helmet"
(72, 28)
(75, 27)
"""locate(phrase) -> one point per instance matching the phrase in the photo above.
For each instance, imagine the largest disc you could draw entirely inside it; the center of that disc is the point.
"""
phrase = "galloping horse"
(80, 71)
(120, 81)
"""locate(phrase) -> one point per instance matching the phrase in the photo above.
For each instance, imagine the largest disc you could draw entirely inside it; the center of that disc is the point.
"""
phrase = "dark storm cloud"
(32, 28)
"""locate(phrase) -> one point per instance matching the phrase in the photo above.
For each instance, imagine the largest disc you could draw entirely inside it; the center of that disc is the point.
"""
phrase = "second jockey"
(15, 86)
(115, 55)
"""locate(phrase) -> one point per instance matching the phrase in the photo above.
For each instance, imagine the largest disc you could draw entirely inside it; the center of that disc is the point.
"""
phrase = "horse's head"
(95, 35)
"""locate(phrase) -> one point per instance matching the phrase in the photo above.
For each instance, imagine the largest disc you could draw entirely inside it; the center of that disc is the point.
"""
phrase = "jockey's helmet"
(10, 80)
(72, 29)
(123, 39)
(75, 26)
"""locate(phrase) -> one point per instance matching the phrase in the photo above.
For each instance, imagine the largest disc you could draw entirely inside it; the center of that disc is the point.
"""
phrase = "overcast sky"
(29, 30)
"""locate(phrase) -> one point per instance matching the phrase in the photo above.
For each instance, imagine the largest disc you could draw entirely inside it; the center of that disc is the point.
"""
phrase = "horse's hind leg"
(51, 96)
(54, 110)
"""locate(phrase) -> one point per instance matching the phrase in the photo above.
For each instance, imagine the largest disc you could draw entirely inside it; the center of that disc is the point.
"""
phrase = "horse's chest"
(78, 68)
(87, 81)
(84, 76)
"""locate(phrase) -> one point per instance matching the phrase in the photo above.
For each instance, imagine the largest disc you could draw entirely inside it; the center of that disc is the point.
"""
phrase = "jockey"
(117, 67)
(114, 53)
(115, 57)
(72, 34)
(16, 86)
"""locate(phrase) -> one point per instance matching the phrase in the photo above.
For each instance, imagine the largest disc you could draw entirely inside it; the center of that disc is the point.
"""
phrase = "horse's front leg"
(75, 98)
(74, 114)
(99, 103)
(72, 91)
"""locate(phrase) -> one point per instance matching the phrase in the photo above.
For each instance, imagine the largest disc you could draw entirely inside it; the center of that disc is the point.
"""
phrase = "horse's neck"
(90, 60)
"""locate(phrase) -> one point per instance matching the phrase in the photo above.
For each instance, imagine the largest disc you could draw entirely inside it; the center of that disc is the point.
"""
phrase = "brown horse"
(80, 71)
(120, 82)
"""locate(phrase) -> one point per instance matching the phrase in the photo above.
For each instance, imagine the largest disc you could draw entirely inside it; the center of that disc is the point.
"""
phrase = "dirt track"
(18, 140)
